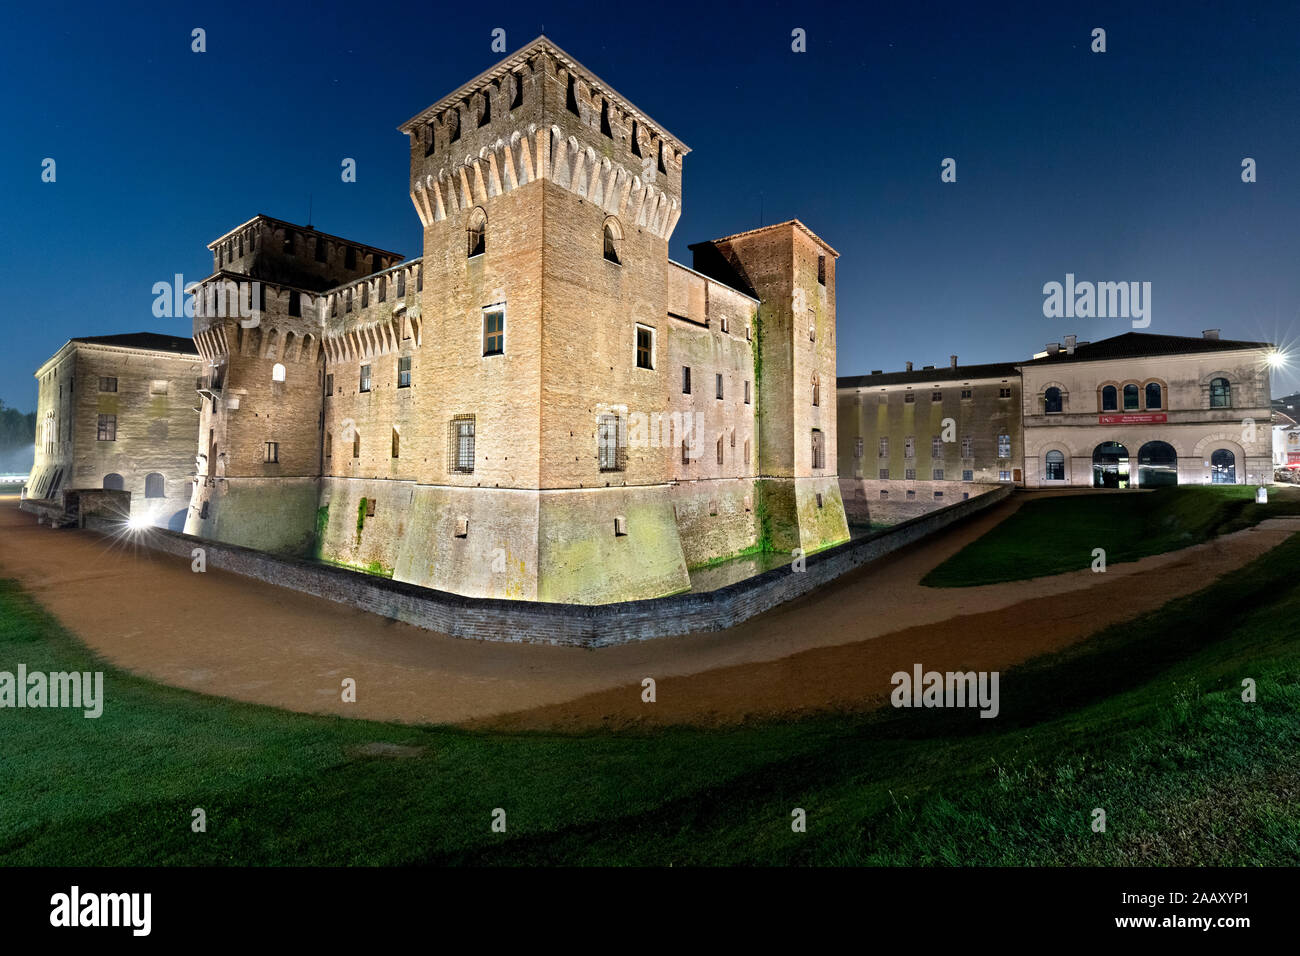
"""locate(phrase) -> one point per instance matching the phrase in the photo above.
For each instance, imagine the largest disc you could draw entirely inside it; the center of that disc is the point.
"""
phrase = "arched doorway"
(114, 482)
(1157, 465)
(1110, 465)
(1223, 467)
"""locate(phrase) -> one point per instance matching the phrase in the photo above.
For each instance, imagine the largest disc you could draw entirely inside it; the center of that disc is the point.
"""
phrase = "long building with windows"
(542, 405)
(1137, 410)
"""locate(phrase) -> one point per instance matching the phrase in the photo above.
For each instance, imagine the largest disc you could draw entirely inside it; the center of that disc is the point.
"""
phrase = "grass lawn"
(1144, 720)
(1051, 535)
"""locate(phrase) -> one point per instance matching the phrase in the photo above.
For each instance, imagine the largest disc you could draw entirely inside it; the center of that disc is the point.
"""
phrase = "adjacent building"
(117, 411)
(1134, 410)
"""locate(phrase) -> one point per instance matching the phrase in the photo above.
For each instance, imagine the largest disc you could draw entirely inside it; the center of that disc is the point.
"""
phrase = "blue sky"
(1117, 166)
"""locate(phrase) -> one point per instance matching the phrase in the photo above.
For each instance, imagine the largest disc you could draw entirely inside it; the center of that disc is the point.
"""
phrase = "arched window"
(816, 389)
(1130, 398)
(477, 231)
(1052, 401)
(153, 485)
(613, 239)
(114, 482)
(1055, 466)
(818, 449)
(1109, 399)
(1155, 396)
(1157, 465)
(1223, 467)
(277, 373)
(1220, 394)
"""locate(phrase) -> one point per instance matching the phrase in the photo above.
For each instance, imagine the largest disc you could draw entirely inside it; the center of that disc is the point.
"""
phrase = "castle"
(543, 405)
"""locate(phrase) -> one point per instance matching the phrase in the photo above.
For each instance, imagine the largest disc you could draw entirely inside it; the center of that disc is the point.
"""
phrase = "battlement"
(541, 115)
(296, 256)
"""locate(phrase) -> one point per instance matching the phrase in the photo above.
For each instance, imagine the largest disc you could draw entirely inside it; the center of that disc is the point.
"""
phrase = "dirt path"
(223, 634)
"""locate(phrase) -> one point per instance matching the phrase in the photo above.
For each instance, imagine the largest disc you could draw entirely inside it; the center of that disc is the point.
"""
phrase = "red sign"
(1152, 419)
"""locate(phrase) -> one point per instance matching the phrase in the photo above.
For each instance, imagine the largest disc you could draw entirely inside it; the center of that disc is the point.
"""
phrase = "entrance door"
(1110, 465)
(1223, 467)
(1157, 464)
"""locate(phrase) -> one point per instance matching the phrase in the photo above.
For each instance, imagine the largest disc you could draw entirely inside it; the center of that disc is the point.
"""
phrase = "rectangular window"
(967, 475)
(747, 393)
(608, 444)
(365, 295)
(107, 428)
(1004, 393)
(404, 372)
(272, 454)
(686, 452)
(397, 444)
(158, 387)
(884, 448)
(494, 330)
(719, 449)
(1004, 446)
(718, 384)
(320, 250)
(329, 384)
(383, 288)
(401, 283)
(884, 474)
(1004, 476)
(329, 444)
(365, 378)
(909, 398)
(107, 384)
(645, 347)
(356, 443)
(965, 394)
(857, 448)
(350, 258)
(686, 380)
(967, 447)
(746, 451)
(909, 474)
(936, 447)
(936, 396)
(295, 303)
(462, 444)
(818, 449)
(909, 447)
(937, 474)
(821, 270)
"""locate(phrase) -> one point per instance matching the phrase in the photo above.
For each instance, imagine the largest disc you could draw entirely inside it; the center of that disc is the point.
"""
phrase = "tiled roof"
(942, 373)
(152, 341)
(1143, 344)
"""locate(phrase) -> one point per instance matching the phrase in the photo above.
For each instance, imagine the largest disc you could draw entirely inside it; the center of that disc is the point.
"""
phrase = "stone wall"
(540, 622)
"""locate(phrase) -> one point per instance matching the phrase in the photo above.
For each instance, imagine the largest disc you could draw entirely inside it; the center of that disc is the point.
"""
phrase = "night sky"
(1120, 166)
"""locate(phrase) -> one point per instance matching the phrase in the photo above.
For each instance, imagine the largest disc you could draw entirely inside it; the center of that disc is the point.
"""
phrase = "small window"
(883, 447)
(936, 447)
(494, 331)
(347, 301)
(295, 303)
(857, 448)
(401, 283)
(288, 242)
(620, 526)
(370, 507)
(967, 474)
(350, 258)
(1220, 393)
(818, 449)
(718, 384)
(1004, 446)
(909, 398)
(1109, 399)
(645, 347)
(1154, 395)
(329, 384)
(272, 452)
(936, 396)
(476, 230)
(462, 527)
(1004, 476)
(1004, 393)
(746, 455)
(329, 444)
(156, 387)
(277, 372)
(612, 241)
(968, 447)
(819, 500)
(356, 444)
(909, 447)
(404, 372)
(747, 393)
(365, 295)
(320, 250)
(154, 485)
(686, 452)
(686, 380)
(1052, 401)
(609, 444)
(816, 390)
(884, 474)
(821, 270)
(462, 444)
(397, 444)
(107, 428)
(365, 378)
(909, 474)
(382, 288)
(936, 474)
(107, 384)
(965, 394)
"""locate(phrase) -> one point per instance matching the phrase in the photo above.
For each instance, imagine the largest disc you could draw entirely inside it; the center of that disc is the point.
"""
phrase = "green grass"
(1144, 720)
(1051, 535)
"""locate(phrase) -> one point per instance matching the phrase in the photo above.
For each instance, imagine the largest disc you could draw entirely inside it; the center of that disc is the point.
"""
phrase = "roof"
(521, 56)
(148, 341)
(753, 232)
(305, 230)
(1144, 344)
(942, 373)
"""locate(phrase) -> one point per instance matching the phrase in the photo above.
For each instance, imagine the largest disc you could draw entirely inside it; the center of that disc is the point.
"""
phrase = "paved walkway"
(223, 634)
